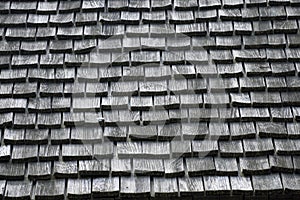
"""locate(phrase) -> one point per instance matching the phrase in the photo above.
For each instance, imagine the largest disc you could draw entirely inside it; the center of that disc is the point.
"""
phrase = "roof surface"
(140, 98)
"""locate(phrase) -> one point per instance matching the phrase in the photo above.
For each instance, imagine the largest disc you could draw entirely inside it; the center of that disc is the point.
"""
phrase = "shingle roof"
(149, 98)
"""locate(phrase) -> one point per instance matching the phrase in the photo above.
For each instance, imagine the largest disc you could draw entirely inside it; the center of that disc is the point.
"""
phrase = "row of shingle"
(151, 167)
(253, 58)
(151, 43)
(129, 128)
(161, 30)
(158, 187)
(121, 5)
(125, 17)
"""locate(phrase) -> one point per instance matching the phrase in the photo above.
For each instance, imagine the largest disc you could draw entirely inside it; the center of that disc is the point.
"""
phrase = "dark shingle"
(48, 189)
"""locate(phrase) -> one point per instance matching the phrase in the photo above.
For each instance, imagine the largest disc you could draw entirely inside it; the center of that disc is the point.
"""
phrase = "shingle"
(13, 20)
(46, 120)
(51, 60)
(135, 186)
(173, 167)
(37, 20)
(105, 187)
(257, 69)
(130, 17)
(65, 169)
(69, 32)
(177, 17)
(61, 104)
(252, 84)
(115, 133)
(145, 57)
(292, 12)
(190, 186)
(121, 167)
(289, 26)
(39, 170)
(206, 15)
(197, 85)
(148, 132)
(176, 115)
(242, 28)
(139, 5)
(145, 167)
(165, 187)
(156, 73)
(262, 27)
(194, 130)
(19, 61)
(49, 152)
(18, 189)
(129, 149)
(190, 100)
(268, 13)
(20, 33)
(148, 88)
(203, 114)
(200, 166)
(61, 46)
(161, 4)
(24, 153)
(12, 171)
(76, 151)
(205, 148)
(86, 104)
(155, 117)
(250, 114)
(61, 19)
(181, 148)
(9, 47)
(223, 84)
(255, 165)
(167, 102)
(67, 7)
(216, 184)
(12, 105)
(47, 189)
(257, 41)
(153, 17)
(47, 7)
(99, 167)
(6, 119)
(25, 90)
(261, 183)
(216, 100)
(41, 75)
(278, 55)
(290, 182)
(226, 166)
(293, 130)
(151, 43)
(265, 99)
(240, 99)
(221, 28)
(51, 89)
(21, 7)
(4, 7)
(35, 136)
(14, 136)
(271, 129)
(281, 163)
(231, 148)
(168, 131)
(86, 134)
(24, 120)
(255, 147)
(204, 4)
(160, 30)
(290, 99)
(221, 56)
(275, 83)
(79, 188)
(92, 5)
(86, 18)
(183, 5)
(286, 147)
(139, 30)
(229, 114)
(39, 105)
(230, 14)
(240, 185)
(233, 3)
